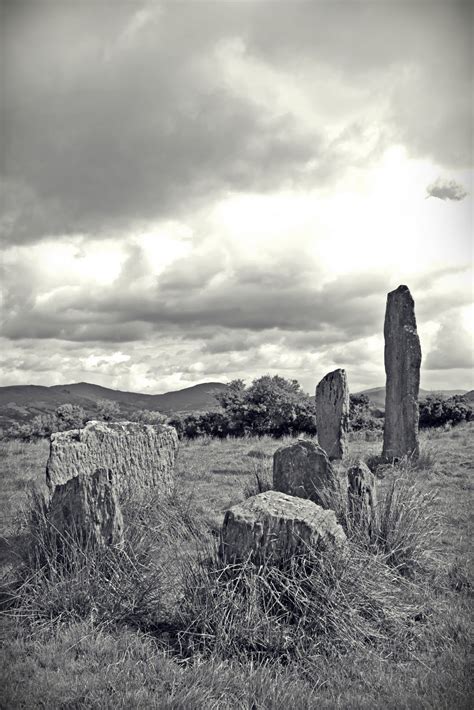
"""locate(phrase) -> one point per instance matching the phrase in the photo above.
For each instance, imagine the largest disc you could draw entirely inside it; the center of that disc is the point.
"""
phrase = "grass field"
(60, 656)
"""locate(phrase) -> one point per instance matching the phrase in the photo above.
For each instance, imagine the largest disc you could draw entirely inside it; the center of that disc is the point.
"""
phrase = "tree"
(108, 410)
(360, 414)
(270, 405)
(147, 416)
(70, 416)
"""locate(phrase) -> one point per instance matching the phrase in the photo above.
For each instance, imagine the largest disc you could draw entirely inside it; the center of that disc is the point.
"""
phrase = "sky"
(201, 191)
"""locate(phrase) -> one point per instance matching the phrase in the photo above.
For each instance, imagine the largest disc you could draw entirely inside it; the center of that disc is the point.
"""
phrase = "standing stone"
(86, 510)
(402, 367)
(141, 455)
(332, 413)
(303, 469)
(274, 527)
(362, 496)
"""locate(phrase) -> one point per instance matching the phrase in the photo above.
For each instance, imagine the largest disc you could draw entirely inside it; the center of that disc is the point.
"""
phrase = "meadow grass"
(163, 623)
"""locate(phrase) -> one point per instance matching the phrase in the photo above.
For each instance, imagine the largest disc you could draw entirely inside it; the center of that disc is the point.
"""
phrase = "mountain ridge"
(21, 402)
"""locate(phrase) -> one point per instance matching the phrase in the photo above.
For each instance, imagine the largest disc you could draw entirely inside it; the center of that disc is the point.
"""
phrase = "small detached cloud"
(445, 189)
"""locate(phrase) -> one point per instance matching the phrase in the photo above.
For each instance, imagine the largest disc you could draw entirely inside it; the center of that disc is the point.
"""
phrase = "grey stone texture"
(332, 413)
(86, 510)
(402, 367)
(362, 494)
(274, 527)
(303, 469)
(140, 455)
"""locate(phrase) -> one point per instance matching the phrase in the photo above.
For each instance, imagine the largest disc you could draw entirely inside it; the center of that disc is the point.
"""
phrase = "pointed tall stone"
(402, 367)
(332, 413)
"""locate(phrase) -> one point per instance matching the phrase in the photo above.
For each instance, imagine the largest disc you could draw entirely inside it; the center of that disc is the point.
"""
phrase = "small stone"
(275, 527)
(303, 469)
(402, 367)
(362, 495)
(86, 510)
(141, 455)
(332, 413)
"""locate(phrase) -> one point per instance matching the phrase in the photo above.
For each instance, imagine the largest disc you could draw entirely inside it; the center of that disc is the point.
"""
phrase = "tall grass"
(63, 577)
(316, 604)
(408, 526)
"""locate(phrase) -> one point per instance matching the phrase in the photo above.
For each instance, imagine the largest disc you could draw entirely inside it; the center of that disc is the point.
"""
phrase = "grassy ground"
(79, 661)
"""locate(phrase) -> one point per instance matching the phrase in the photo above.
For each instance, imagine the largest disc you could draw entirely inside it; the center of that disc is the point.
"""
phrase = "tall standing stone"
(332, 413)
(402, 367)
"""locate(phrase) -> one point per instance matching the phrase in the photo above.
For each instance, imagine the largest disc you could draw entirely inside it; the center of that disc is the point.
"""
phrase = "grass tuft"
(315, 604)
(261, 480)
(407, 529)
(62, 577)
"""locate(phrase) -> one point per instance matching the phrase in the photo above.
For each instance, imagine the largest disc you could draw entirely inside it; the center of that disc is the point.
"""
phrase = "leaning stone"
(141, 455)
(362, 495)
(332, 413)
(86, 510)
(303, 469)
(274, 527)
(402, 367)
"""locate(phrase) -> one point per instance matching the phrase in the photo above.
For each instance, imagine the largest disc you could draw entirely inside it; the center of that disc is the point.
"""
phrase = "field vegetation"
(162, 623)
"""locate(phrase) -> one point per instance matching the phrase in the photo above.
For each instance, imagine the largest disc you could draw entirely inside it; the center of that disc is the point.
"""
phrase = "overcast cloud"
(196, 191)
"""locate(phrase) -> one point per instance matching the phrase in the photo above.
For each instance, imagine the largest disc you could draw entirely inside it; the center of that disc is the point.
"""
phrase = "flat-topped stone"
(140, 455)
(273, 526)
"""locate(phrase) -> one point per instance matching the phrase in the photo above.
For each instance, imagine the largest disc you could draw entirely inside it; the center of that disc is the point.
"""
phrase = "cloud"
(445, 189)
(453, 346)
(228, 201)
(117, 116)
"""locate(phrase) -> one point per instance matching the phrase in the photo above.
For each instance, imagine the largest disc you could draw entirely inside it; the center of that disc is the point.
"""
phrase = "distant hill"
(377, 395)
(22, 402)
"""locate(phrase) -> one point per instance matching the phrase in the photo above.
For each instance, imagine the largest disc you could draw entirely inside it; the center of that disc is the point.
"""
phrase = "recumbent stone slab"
(141, 455)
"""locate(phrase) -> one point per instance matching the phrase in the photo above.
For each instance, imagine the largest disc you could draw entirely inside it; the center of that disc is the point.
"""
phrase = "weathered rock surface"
(274, 527)
(332, 413)
(402, 367)
(86, 509)
(141, 455)
(303, 469)
(362, 494)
